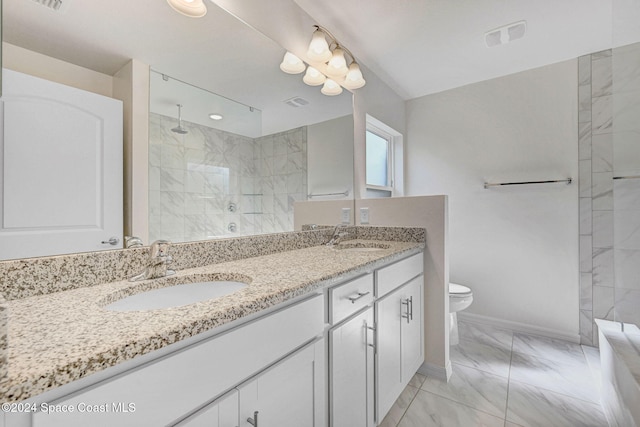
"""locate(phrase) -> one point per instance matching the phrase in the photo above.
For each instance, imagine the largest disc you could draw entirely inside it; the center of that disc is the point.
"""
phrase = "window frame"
(390, 138)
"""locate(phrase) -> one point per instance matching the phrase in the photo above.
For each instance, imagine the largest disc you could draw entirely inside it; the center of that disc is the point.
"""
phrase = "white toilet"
(460, 297)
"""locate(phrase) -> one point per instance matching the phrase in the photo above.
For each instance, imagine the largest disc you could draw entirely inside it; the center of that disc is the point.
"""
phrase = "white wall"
(36, 64)
(330, 156)
(516, 247)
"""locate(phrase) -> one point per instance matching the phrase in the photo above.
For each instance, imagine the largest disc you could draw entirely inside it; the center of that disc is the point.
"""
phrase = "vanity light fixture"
(332, 69)
(190, 8)
(215, 116)
(291, 64)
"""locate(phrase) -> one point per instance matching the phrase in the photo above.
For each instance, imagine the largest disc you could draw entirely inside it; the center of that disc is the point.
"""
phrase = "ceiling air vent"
(296, 101)
(55, 5)
(505, 34)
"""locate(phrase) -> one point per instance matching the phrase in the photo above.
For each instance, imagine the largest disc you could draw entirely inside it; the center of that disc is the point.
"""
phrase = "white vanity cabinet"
(351, 371)
(221, 413)
(399, 323)
(289, 394)
(168, 389)
(374, 353)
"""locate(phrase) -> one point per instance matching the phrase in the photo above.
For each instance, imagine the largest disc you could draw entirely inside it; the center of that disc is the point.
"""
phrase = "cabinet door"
(412, 343)
(399, 323)
(388, 312)
(289, 394)
(351, 372)
(221, 413)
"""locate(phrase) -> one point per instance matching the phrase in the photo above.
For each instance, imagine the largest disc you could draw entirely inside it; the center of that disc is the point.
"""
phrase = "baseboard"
(435, 371)
(524, 328)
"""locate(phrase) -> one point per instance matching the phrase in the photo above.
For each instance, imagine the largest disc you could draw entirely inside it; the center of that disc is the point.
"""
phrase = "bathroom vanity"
(319, 336)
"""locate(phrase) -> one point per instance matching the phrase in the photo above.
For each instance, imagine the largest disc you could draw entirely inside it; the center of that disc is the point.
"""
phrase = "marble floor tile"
(486, 335)
(571, 379)
(548, 348)
(592, 355)
(510, 424)
(484, 357)
(430, 410)
(531, 406)
(417, 380)
(399, 408)
(472, 387)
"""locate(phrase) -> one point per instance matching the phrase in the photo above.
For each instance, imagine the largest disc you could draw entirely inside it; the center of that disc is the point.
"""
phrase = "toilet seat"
(458, 290)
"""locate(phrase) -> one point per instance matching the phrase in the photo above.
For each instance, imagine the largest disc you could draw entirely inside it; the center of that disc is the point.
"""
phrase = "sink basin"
(361, 247)
(176, 295)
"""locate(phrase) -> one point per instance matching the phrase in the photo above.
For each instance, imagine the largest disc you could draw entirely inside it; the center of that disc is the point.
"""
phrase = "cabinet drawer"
(166, 389)
(350, 297)
(394, 275)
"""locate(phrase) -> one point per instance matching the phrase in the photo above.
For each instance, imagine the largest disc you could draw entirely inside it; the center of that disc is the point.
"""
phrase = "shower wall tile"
(584, 140)
(586, 292)
(603, 268)
(584, 103)
(601, 76)
(627, 194)
(626, 68)
(586, 327)
(196, 176)
(602, 190)
(603, 303)
(602, 154)
(586, 257)
(584, 71)
(602, 229)
(627, 262)
(585, 216)
(627, 302)
(602, 115)
(584, 186)
(627, 230)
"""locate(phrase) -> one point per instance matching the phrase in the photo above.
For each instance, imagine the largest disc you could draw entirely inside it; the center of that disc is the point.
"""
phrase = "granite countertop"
(61, 337)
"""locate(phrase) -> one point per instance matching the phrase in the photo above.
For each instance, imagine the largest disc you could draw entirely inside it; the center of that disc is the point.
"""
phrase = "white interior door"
(60, 169)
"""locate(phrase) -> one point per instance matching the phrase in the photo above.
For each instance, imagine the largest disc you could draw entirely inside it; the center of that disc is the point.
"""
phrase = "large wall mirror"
(279, 140)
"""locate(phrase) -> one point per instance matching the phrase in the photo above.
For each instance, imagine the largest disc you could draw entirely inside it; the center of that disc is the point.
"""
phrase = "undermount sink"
(361, 247)
(177, 293)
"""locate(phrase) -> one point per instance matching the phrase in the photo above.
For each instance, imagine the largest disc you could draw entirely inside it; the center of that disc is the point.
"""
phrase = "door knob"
(112, 241)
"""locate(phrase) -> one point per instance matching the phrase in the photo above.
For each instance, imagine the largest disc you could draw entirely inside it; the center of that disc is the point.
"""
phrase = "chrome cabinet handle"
(112, 241)
(360, 295)
(407, 315)
(374, 345)
(411, 307)
(253, 421)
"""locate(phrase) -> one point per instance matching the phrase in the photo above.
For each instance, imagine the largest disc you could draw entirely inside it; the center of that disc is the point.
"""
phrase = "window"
(383, 147)
(379, 156)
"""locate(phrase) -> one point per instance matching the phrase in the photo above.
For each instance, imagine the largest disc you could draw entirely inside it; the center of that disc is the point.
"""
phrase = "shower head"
(179, 129)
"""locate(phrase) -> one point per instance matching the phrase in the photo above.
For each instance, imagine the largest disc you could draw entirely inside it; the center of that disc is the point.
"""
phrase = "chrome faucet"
(337, 234)
(159, 258)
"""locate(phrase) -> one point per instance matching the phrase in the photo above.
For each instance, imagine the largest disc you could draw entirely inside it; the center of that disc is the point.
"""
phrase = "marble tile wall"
(202, 182)
(609, 104)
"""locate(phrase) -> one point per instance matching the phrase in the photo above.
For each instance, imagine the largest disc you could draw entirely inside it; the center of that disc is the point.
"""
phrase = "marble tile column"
(595, 121)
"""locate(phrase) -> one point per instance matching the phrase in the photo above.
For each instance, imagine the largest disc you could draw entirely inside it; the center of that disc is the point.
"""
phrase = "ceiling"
(218, 53)
(417, 47)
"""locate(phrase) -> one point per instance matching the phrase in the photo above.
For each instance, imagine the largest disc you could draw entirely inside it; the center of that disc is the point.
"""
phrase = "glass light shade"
(215, 116)
(291, 64)
(354, 79)
(313, 77)
(190, 8)
(319, 48)
(337, 64)
(331, 88)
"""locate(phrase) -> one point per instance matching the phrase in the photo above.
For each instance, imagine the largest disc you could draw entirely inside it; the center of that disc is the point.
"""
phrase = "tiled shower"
(211, 183)
(609, 156)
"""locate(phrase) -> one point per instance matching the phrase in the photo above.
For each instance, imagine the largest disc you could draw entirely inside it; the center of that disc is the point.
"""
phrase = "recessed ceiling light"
(215, 116)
